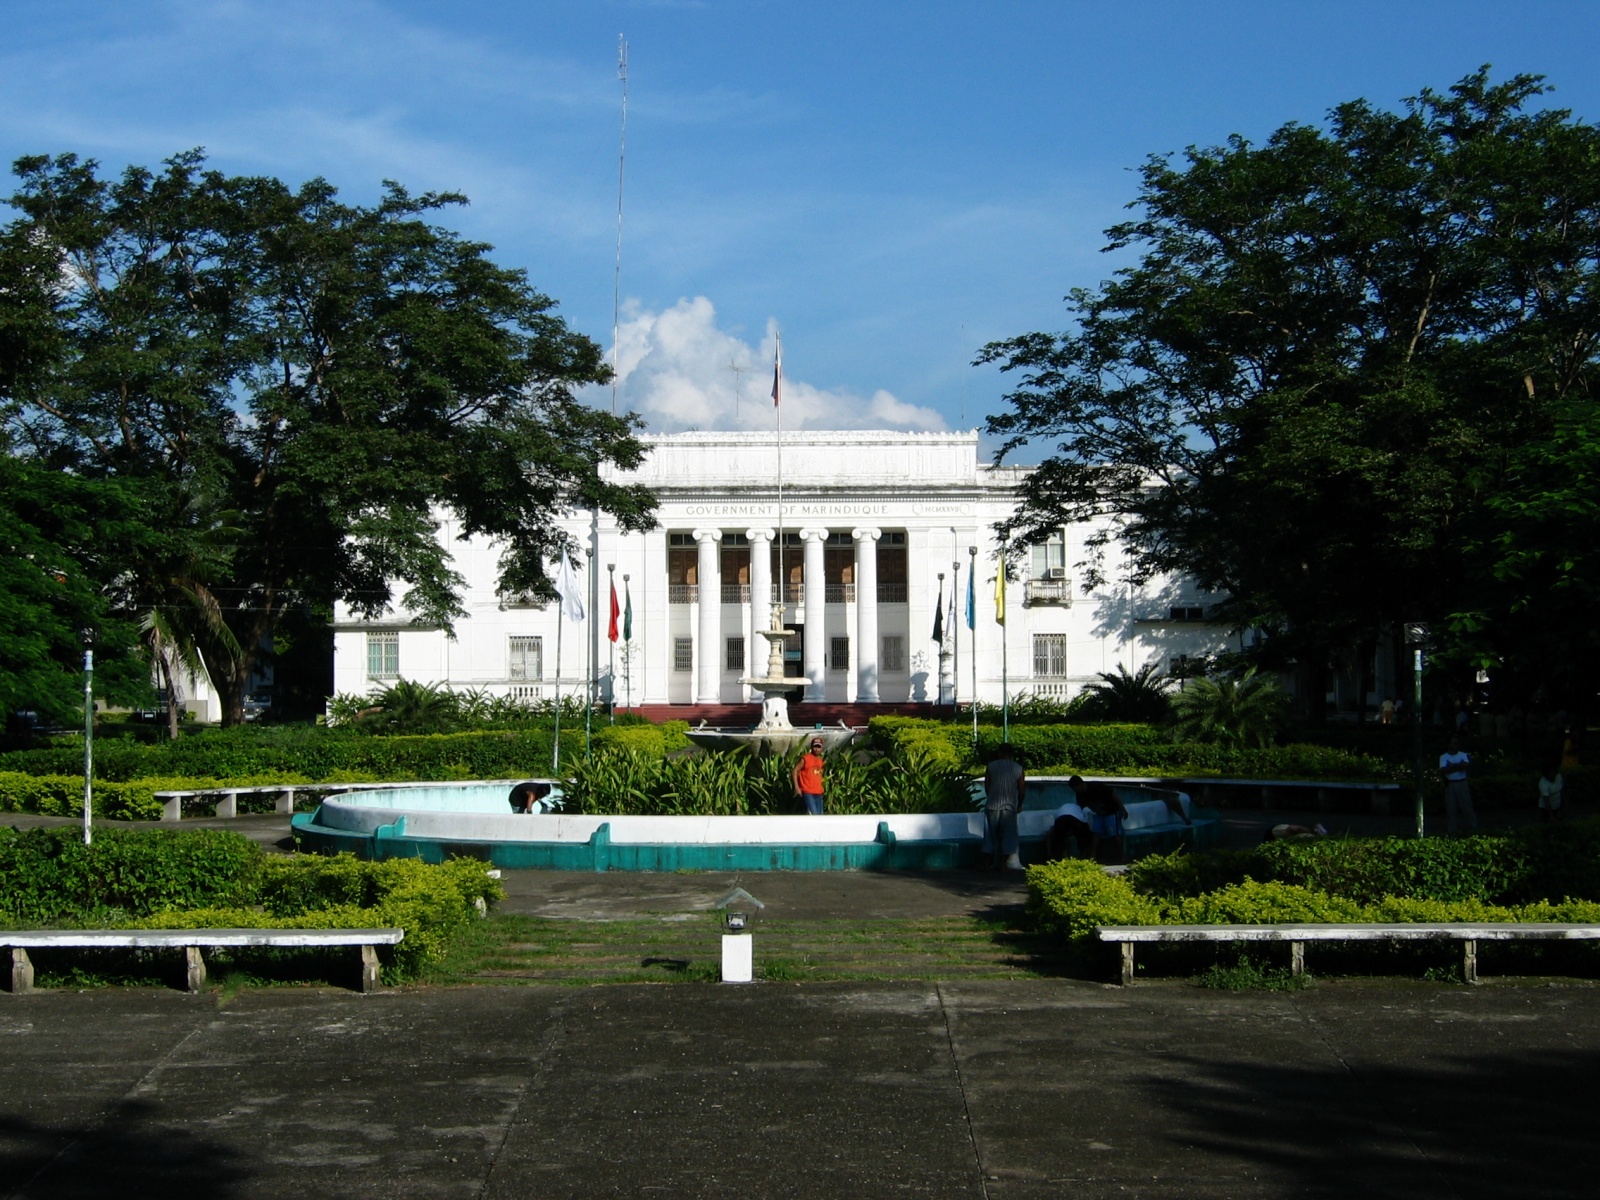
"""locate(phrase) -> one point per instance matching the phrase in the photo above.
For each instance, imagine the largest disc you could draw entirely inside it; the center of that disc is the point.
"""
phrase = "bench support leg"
(1469, 960)
(1127, 963)
(194, 968)
(21, 972)
(369, 968)
(1297, 958)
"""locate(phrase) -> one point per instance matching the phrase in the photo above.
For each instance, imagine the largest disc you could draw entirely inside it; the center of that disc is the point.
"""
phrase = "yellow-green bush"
(132, 800)
(1072, 896)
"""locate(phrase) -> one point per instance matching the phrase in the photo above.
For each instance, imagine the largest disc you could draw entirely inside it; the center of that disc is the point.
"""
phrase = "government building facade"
(869, 549)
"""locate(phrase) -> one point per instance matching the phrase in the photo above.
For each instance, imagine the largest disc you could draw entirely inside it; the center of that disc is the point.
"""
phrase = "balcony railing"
(840, 593)
(891, 593)
(736, 593)
(682, 593)
(1048, 591)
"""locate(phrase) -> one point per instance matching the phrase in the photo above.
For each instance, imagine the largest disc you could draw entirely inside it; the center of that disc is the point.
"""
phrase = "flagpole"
(589, 654)
(777, 403)
(627, 653)
(955, 642)
(1005, 649)
(972, 624)
(555, 749)
(611, 650)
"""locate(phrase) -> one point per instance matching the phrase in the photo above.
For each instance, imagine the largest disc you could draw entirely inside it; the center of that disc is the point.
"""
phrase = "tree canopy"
(1348, 382)
(296, 389)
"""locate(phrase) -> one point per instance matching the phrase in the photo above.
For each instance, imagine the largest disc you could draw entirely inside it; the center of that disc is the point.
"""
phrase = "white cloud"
(679, 371)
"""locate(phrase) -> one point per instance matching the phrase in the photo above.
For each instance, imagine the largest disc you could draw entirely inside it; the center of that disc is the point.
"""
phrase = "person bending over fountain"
(1005, 784)
(808, 778)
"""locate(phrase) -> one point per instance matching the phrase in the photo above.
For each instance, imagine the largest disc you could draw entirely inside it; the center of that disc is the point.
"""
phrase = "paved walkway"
(996, 1090)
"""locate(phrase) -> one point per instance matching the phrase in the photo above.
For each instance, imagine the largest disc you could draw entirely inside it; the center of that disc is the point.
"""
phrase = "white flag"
(570, 591)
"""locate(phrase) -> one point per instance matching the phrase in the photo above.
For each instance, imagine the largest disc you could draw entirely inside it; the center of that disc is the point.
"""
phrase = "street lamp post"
(88, 736)
(1416, 638)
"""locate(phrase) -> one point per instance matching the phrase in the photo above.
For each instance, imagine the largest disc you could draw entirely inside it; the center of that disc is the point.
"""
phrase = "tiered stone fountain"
(773, 734)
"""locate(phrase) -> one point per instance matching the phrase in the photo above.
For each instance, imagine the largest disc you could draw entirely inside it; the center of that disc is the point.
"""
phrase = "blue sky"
(891, 184)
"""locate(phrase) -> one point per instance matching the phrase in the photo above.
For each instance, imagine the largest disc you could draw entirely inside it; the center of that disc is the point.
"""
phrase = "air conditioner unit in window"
(1056, 573)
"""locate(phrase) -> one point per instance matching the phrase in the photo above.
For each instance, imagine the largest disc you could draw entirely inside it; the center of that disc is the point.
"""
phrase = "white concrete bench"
(1297, 936)
(225, 799)
(191, 941)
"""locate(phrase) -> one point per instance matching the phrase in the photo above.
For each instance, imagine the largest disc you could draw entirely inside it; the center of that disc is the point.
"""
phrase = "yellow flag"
(1000, 592)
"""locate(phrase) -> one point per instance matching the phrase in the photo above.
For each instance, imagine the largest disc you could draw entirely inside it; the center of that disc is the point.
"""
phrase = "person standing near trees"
(1454, 766)
(1005, 784)
(1551, 786)
(808, 778)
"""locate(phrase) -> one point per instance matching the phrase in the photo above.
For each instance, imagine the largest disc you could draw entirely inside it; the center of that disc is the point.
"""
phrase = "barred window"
(526, 658)
(894, 653)
(383, 656)
(1049, 655)
(735, 659)
(839, 654)
(683, 654)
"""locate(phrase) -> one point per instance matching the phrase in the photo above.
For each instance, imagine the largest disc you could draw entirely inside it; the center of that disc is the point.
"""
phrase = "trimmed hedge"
(1511, 878)
(134, 800)
(203, 879)
(1073, 896)
(1110, 749)
(49, 874)
(315, 753)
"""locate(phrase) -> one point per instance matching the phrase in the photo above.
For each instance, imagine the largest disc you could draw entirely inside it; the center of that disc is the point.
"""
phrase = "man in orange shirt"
(808, 778)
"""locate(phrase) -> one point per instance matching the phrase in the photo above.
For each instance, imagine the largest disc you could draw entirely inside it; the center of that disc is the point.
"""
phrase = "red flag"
(611, 630)
(777, 375)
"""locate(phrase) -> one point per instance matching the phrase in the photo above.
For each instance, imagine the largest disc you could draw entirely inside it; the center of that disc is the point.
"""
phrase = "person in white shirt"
(1550, 789)
(1454, 766)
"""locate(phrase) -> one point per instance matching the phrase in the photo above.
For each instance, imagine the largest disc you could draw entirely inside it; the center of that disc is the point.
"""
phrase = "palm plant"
(1248, 711)
(407, 707)
(1143, 696)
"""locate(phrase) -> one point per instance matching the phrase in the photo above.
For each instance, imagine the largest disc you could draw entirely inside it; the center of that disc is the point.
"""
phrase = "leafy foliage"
(206, 879)
(328, 375)
(1356, 353)
(1249, 711)
(1138, 697)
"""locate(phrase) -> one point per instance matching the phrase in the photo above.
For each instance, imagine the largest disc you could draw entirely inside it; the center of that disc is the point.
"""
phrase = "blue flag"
(972, 613)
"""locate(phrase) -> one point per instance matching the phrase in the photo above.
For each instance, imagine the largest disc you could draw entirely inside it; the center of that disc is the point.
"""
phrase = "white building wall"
(929, 487)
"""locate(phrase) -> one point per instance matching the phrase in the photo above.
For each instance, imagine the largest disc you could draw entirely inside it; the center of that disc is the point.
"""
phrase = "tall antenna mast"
(622, 159)
(738, 371)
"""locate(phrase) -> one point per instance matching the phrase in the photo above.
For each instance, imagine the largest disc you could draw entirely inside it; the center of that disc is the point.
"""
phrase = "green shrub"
(50, 875)
(1072, 896)
(306, 751)
(207, 879)
(1263, 902)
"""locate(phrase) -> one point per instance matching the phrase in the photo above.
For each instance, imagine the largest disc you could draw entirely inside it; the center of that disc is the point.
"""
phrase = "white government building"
(874, 528)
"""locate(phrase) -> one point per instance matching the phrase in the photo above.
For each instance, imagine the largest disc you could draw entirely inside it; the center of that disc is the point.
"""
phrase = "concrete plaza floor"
(1034, 1089)
(993, 1089)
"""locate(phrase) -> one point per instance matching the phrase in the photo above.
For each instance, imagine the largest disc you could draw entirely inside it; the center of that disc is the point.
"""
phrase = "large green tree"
(1326, 387)
(324, 380)
(61, 540)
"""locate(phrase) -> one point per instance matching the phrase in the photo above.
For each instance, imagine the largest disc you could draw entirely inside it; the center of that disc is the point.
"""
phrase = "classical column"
(867, 614)
(760, 598)
(813, 639)
(708, 645)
